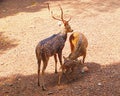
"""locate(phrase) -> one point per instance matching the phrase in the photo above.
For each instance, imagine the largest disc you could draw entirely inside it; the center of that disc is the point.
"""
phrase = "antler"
(62, 19)
(69, 19)
(61, 13)
(52, 13)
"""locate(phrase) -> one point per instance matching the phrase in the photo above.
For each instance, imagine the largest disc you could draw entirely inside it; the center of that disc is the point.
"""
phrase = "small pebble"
(99, 84)
(4, 10)
(49, 93)
(84, 69)
(1, 63)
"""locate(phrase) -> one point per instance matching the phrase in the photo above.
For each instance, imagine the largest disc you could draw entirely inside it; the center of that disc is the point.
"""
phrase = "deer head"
(66, 25)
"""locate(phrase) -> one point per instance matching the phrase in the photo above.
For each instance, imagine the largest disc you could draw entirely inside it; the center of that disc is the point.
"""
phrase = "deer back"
(52, 44)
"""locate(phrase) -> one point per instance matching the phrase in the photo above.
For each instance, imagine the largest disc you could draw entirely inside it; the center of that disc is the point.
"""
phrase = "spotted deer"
(78, 44)
(52, 46)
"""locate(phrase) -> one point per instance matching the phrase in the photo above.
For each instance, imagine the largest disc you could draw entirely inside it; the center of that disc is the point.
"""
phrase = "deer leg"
(66, 75)
(45, 62)
(39, 63)
(84, 57)
(60, 75)
(55, 58)
(71, 39)
(60, 57)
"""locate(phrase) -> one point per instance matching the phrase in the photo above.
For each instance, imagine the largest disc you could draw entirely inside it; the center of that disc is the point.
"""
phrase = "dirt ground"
(23, 23)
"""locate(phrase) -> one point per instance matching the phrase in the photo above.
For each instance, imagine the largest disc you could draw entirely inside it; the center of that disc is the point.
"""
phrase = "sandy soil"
(23, 23)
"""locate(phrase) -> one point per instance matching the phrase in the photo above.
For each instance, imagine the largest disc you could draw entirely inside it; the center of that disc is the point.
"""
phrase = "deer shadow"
(6, 43)
(12, 7)
(25, 85)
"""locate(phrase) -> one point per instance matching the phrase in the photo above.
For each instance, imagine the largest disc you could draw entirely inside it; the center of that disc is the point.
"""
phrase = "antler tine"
(52, 13)
(61, 13)
(69, 19)
(48, 6)
(54, 16)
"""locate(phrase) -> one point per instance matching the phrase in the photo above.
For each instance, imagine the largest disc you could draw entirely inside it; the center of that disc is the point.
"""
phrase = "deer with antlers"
(52, 46)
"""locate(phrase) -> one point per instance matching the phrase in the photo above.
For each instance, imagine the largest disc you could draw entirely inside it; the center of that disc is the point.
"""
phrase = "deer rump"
(78, 44)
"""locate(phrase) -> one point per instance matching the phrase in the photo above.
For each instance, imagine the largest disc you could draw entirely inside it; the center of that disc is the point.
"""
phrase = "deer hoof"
(56, 71)
(43, 88)
(38, 84)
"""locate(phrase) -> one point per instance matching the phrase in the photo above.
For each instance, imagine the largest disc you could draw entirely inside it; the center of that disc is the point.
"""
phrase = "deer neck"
(64, 34)
(73, 56)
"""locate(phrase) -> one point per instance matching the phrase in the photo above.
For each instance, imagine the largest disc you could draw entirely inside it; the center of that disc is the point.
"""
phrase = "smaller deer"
(52, 46)
(68, 65)
(78, 44)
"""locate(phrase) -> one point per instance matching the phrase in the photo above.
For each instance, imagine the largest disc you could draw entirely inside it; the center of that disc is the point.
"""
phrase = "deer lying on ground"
(68, 66)
(52, 46)
(78, 44)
